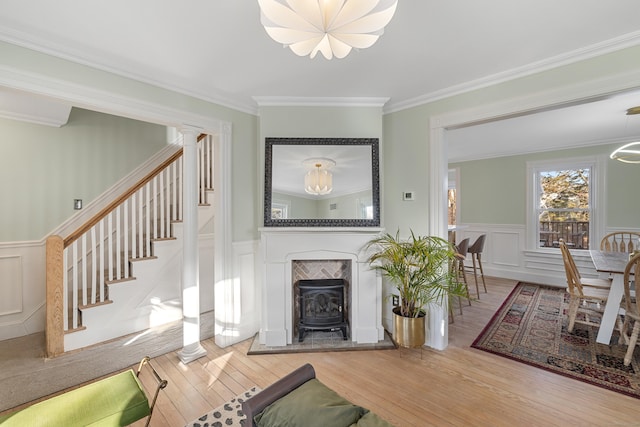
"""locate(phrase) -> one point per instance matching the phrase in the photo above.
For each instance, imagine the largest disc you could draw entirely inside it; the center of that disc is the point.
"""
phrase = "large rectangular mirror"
(320, 182)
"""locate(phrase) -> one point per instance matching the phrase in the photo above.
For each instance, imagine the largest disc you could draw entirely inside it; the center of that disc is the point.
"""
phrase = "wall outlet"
(408, 195)
(395, 300)
(77, 204)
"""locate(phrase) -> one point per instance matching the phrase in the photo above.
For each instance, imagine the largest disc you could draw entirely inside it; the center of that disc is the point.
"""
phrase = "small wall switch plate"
(77, 204)
(408, 195)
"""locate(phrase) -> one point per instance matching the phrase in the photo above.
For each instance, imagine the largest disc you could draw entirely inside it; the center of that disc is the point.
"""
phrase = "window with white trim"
(562, 194)
(280, 209)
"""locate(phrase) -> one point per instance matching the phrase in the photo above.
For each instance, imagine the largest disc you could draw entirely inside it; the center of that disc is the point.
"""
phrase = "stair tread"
(143, 258)
(122, 280)
(105, 302)
(79, 328)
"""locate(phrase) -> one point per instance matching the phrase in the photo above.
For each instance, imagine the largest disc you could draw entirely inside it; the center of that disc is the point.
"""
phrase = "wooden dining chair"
(585, 281)
(620, 241)
(631, 306)
(586, 300)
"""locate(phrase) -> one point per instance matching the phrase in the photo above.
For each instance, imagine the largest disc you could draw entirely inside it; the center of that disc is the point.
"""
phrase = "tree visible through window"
(564, 209)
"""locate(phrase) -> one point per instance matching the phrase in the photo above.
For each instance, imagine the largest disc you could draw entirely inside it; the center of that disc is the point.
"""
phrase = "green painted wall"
(26, 62)
(320, 122)
(43, 168)
(406, 136)
(493, 191)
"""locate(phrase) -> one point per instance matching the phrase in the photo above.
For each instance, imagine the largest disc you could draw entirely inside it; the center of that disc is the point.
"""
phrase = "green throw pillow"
(310, 405)
(371, 420)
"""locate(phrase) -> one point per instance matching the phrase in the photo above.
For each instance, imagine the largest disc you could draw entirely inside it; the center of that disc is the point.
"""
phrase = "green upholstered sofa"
(299, 399)
(118, 400)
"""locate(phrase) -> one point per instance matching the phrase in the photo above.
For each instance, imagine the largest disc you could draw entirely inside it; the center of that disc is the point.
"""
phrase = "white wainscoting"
(22, 290)
(505, 255)
(11, 296)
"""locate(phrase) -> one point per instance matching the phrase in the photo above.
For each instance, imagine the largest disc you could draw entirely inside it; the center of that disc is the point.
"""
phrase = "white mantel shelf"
(366, 230)
(280, 246)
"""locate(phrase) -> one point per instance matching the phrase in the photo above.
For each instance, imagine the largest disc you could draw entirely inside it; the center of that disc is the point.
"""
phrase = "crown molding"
(294, 101)
(595, 50)
(88, 97)
(32, 42)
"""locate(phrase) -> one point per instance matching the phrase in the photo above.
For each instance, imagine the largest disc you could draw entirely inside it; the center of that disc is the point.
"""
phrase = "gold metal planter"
(408, 331)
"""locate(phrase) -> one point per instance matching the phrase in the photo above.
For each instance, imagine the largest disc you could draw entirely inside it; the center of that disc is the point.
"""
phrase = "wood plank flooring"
(459, 386)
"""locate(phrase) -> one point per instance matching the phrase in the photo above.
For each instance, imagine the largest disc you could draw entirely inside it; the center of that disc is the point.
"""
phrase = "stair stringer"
(154, 296)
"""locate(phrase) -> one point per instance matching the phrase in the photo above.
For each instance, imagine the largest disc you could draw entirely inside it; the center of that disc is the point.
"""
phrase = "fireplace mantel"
(282, 246)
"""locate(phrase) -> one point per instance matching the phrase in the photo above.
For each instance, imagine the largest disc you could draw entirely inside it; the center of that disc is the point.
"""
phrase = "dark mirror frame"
(321, 222)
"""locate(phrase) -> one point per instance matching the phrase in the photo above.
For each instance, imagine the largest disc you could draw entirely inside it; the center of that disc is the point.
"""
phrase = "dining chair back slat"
(621, 241)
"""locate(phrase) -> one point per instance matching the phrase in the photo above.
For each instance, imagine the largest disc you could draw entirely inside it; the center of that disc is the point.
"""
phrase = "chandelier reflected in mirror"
(319, 179)
(331, 27)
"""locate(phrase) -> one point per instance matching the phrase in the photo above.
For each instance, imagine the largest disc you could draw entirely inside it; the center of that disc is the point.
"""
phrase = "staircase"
(120, 272)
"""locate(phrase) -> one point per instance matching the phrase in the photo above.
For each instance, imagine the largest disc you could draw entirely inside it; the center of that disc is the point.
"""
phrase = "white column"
(437, 327)
(191, 348)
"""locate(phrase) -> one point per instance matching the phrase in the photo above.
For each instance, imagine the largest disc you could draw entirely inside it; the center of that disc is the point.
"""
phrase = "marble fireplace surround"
(282, 246)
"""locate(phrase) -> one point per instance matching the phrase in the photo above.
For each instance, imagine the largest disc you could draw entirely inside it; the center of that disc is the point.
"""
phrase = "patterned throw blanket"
(229, 414)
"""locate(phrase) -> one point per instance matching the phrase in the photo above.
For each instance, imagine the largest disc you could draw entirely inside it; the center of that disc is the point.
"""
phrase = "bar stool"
(461, 254)
(476, 258)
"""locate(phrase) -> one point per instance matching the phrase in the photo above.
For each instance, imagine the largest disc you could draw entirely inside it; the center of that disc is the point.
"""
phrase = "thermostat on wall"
(408, 195)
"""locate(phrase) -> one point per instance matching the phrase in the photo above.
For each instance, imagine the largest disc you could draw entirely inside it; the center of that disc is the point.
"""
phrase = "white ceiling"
(217, 50)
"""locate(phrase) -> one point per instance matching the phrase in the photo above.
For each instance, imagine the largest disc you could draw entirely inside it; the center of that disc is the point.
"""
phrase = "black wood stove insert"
(322, 306)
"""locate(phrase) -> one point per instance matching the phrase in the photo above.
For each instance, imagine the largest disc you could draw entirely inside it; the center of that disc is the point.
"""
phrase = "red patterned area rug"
(531, 327)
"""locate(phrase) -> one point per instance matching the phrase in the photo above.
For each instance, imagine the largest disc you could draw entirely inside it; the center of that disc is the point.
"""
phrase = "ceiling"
(217, 50)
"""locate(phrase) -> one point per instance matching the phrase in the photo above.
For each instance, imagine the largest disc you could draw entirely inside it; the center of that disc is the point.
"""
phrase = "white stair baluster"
(84, 256)
(162, 231)
(148, 220)
(109, 254)
(94, 266)
(101, 271)
(140, 223)
(125, 231)
(117, 253)
(74, 289)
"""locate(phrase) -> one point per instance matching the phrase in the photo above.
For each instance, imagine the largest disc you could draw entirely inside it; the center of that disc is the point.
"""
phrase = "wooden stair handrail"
(124, 196)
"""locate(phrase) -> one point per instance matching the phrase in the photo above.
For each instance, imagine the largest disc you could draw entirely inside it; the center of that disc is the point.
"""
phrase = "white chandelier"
(319, 180)
(332, 27)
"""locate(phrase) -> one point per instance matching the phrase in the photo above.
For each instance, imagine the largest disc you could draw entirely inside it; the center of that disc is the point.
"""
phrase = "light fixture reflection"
(331, 27)
(319, 180)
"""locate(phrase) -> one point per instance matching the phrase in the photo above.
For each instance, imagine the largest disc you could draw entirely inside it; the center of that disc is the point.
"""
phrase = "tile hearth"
(318, 341)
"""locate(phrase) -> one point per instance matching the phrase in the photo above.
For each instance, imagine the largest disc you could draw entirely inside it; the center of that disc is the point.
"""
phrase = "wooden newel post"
(54, 328)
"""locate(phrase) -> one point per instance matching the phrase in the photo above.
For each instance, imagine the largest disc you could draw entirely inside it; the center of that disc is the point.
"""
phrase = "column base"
(191, 352)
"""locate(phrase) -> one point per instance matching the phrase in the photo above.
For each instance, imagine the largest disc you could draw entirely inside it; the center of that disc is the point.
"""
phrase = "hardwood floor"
(459, 386)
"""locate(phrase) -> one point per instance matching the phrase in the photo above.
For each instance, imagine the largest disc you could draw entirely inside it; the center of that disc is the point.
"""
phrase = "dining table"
(613, 263)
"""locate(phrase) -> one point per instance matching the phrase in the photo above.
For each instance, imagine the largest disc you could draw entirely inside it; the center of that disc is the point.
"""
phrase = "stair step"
(105, 302)
(79, 328)
(123, 280)
(162, 239)
(143, 258)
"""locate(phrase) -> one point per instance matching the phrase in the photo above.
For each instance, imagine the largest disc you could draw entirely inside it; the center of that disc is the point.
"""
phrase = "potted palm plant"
(419, 268)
